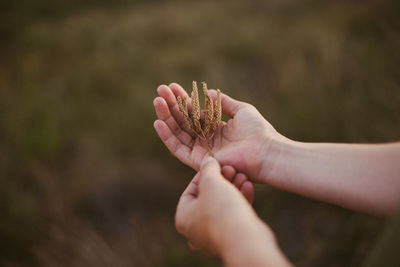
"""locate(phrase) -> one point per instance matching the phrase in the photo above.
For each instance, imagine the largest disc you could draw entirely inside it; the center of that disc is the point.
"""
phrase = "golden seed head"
(195, 102)
(217, 111)
(203, 128)
(184, 110)
(208, 110)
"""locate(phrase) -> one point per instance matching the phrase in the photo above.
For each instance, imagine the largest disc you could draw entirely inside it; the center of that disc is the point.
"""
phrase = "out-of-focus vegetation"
(84, 180)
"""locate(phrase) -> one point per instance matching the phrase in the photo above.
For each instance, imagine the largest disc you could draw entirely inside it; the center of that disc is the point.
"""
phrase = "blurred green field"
(85, 181)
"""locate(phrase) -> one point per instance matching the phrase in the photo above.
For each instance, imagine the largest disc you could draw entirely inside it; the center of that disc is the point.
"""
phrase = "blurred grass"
(84, 178)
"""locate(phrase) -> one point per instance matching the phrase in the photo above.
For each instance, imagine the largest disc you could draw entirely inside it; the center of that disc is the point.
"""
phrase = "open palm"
(241, 142)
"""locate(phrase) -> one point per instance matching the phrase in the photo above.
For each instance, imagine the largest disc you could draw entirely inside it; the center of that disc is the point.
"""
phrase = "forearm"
(360, 177)
(245, 242)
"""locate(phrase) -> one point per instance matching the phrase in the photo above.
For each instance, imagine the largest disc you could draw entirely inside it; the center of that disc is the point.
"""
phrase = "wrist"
(250, 242)
(275, 150)
(230, 228)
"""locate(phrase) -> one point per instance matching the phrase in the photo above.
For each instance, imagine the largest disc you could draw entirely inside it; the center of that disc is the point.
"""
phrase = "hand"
(242, 142)
(239, 180)
(203, 217)
(216, 218)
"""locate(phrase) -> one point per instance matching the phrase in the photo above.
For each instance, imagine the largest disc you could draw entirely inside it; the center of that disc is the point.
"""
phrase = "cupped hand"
(210, 205)
(242, 142)
(240, 181)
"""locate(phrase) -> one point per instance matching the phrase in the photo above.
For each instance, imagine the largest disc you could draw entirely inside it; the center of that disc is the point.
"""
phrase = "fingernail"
(207, 160)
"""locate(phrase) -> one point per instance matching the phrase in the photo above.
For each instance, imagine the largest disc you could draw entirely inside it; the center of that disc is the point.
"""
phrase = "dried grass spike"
(204, 128)
(184, 110)
(217, 111)
(196, 109)
(208, 110)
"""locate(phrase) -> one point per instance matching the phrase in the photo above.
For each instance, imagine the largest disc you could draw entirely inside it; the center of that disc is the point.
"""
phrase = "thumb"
(210, 174)
(229, 105)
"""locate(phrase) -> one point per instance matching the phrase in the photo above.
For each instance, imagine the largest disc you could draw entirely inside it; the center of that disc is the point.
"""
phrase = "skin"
(362, 177)
(240, 142)
(240, 181)
(213, 215)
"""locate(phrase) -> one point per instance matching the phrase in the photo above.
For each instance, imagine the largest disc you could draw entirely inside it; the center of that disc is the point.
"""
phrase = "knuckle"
(179, 226)
(247, 105)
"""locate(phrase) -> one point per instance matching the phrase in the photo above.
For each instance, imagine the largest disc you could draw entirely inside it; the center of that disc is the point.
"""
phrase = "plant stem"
(203, 137)
(209, 151)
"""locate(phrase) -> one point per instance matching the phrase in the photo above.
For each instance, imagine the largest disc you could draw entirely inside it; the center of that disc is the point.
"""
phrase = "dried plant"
(205, 127)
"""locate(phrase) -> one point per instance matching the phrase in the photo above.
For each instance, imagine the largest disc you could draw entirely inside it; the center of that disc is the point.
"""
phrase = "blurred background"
(85, 181)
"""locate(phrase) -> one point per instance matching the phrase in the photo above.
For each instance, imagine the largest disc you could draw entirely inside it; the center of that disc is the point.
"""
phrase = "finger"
(192, 246)
(174, 145)
(178, 90)
(228, 172)
(192, 190)
(163, 113)
(247, 190)
(185, 205)
(166, 93)
(239, 179)
(229, 105)
(209, 172)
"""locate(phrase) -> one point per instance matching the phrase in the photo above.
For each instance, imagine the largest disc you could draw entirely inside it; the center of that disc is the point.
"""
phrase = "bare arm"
(364, 177)
(361, 177)
(215, 218)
